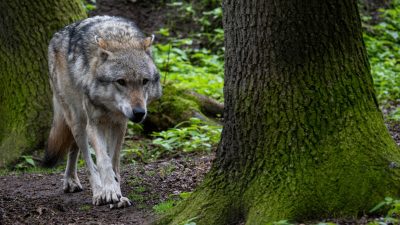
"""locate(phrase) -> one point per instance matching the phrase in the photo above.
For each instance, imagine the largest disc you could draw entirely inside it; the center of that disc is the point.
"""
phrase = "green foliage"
(139, 195)
(133, 129)
(392, 207)
(205, 17)
(26, 162)
(190, 68)
(190, 221)
(387, 202)
(85, 207)
(211, 29)
(30, 170)
(281, 222)
(383, 45)
(384, 221)
(165, 206)
(138, 198)
(195, 62)
(188, 137)
(286, 222)
(395, 114)
(139, 150)
(191, 63)
(166, 170)
(89, 5)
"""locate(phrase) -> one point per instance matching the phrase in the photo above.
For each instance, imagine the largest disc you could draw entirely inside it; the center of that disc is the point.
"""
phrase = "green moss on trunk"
(25, 96)
(303, 136)
(175, 106)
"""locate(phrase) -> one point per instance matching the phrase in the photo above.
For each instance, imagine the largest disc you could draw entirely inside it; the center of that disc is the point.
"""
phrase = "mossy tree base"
(303, 136)
(26, 28)
(349, 180)
(179, 105)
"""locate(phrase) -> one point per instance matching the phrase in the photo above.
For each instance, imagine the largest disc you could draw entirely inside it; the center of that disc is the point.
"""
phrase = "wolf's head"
(126, 77)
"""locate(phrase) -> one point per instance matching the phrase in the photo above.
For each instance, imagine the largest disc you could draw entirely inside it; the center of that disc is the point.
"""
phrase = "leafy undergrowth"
(173, 199)
(194, 61)
(381, 35)
(195, 69)
(187, 137)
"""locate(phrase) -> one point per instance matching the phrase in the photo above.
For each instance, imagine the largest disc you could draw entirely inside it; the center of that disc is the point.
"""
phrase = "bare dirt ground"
(39, 198)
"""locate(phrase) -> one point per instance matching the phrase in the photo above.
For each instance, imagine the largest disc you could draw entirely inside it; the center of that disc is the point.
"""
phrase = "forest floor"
(38, 198)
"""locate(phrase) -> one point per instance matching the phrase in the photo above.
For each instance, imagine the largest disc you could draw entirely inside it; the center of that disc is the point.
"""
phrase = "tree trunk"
(303, 137)
(25, 97)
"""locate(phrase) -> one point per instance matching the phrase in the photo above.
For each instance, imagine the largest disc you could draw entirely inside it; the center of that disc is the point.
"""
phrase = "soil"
(39, 198)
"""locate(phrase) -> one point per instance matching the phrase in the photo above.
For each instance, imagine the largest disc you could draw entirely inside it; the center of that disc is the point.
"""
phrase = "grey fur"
(101, 73)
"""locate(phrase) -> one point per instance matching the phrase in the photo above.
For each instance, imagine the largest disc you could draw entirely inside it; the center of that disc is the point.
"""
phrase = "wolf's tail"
(60, 139)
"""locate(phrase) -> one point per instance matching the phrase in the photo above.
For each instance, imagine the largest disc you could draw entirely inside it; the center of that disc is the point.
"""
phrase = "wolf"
(101, 73)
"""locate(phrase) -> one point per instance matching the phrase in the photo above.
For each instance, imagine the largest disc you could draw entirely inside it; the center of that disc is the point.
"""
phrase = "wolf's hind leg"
(81, 139)
(61, 142)
(71, 180)
(78, 129)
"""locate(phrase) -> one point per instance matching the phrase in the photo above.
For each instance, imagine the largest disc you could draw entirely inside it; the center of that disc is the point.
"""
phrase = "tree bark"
(303, 136)
(25, 97)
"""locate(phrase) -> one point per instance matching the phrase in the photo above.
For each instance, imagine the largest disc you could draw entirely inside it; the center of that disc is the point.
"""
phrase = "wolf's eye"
(121, 82)
(145, 81)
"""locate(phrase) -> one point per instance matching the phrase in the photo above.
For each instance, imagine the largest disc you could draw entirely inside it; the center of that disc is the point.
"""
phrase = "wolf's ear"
(103, 53)
(147, 42)
(100, 42)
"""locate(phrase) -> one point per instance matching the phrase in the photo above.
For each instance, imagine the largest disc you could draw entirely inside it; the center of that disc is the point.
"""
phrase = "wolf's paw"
(72, 185)
(107, 195)
(123, 202)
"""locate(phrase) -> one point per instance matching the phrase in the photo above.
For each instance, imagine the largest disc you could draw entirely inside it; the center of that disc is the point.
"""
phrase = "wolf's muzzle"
(138, 114)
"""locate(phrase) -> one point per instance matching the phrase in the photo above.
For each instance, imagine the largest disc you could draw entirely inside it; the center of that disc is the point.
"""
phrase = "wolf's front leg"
(115, 138)
(111, 191)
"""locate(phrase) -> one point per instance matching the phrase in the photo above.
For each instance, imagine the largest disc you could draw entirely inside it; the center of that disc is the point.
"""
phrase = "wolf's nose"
(138, 114)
